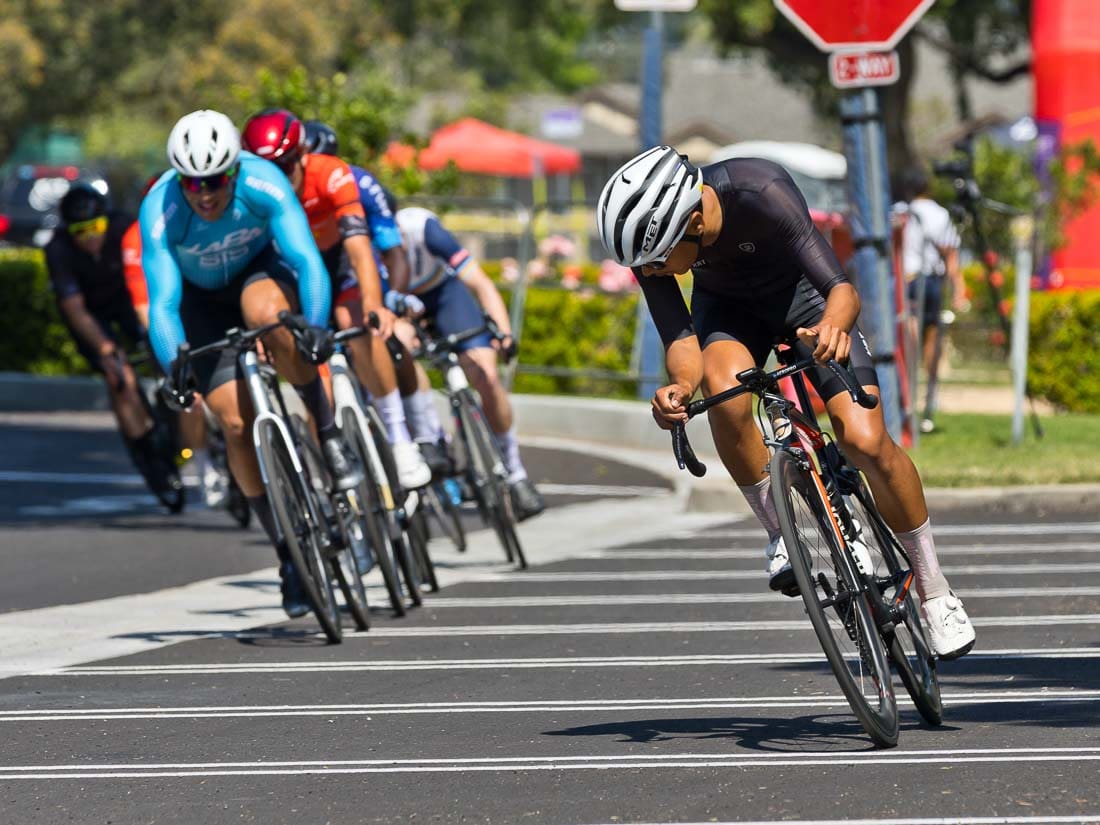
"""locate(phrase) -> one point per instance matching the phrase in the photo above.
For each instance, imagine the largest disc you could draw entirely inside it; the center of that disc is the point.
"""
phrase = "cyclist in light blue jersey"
(225, 243)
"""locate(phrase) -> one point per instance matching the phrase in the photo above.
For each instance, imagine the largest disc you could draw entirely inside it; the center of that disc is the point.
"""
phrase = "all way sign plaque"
(853, 69)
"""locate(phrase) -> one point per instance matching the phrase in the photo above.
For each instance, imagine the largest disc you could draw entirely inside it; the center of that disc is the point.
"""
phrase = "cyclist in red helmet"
(330, 196)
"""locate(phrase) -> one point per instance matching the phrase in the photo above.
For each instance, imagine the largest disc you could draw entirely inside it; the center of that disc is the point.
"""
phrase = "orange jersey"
(329, 192)
(131, 266)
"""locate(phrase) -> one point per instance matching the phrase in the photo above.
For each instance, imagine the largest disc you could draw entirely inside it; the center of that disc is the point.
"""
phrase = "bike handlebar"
(756, 380)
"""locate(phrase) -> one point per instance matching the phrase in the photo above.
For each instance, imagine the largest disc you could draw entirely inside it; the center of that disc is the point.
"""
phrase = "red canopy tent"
(478, 147)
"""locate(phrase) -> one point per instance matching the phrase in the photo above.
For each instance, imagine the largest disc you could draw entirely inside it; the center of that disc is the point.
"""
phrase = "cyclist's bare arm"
(829, 336)
(397, 264)
(684, 361)
(486, 293)
(83, 324)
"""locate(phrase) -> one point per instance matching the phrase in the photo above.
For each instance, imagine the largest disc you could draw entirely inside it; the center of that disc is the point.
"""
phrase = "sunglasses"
(211, 183)
(92, 226)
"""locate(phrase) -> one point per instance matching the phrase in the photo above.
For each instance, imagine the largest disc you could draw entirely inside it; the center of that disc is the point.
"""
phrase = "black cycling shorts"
(118, 317)
(933, 300)
(207, 314)
(761, 322)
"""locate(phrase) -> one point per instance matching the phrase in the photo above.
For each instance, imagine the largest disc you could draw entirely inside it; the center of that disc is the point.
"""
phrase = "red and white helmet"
(274, 134)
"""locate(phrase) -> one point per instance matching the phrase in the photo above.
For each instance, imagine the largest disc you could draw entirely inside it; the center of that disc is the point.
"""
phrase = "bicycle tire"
(374, 517)
(907, 643)
(418, 538)
(335, 509)
(157, 464)
(485, 454)
(853, 646)
(446, 515)
(297, 518)
(406, 561)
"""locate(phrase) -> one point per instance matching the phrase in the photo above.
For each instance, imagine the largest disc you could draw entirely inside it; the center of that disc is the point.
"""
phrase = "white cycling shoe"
(949, 628)
(781, 577)
(412, 470)
(215, 486)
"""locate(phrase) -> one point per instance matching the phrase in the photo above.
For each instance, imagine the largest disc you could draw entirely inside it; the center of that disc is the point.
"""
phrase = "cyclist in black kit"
(84, 259)
(763, 274)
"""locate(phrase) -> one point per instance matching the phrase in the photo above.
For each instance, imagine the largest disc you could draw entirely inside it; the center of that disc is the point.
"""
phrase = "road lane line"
(395, 665)
(532, 706)
(867, 758)
(1042, 528)
(954, 820)
(708, 575)
(944, 551)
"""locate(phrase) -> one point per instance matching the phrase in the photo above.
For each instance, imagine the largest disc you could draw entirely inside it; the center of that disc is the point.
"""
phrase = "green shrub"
(33, 339)
(1064, 350)
(580, 330)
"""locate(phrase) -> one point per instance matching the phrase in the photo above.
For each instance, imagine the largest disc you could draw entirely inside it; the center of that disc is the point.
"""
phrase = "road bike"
(316, 522)
(482, 464)
(854, 578)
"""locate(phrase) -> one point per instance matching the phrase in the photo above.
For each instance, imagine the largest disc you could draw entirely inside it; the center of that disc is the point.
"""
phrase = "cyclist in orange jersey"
(330, 196)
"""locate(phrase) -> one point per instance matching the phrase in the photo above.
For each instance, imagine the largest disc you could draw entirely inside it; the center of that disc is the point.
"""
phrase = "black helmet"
(82, 203)
(320, 138)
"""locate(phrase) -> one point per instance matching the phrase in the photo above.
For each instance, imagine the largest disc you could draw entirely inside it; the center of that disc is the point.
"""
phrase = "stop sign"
(840, 25)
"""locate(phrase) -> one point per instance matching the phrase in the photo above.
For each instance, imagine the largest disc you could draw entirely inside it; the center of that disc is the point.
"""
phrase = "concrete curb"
(21, 392)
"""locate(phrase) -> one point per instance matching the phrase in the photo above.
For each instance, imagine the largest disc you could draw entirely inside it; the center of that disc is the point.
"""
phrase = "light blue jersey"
(178, 245)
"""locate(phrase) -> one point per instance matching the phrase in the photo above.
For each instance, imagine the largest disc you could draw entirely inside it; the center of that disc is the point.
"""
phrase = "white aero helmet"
(203, 143)
(644, 208)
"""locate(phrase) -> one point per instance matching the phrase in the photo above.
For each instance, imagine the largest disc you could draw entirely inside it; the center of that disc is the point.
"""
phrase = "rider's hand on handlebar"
(827, 342)
(670, 405)
(178, 398)
(386, 319)
(401, 304)
(506, 346)
(314, 344)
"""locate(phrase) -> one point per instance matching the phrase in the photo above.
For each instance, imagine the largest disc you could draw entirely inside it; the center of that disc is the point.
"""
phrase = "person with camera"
(930, 259)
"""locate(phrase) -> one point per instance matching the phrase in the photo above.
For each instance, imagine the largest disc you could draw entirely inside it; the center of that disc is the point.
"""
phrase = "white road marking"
(998, 529)
(867, 758)
(944, 551)
(954, 820)
(1056, 620)
(709, 575)
(392, 665)
(536, 706)
(612, 490)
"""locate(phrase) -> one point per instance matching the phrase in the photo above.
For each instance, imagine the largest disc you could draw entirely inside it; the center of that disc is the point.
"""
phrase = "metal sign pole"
(865, 148)
(1022, 230)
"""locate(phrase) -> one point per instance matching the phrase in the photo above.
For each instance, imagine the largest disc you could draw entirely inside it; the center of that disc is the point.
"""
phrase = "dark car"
(29, 196)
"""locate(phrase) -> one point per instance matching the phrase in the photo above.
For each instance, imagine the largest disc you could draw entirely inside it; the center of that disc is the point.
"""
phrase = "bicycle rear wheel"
(488, 479)
(907, 643)
(299, 523)
(418, 540)
(446, 514)
(373, 513)
(837, 606)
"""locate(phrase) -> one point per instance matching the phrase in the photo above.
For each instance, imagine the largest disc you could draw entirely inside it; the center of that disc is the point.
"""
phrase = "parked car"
(29, 196)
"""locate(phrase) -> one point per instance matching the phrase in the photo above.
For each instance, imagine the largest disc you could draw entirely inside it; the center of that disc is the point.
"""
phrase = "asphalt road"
(639, 672)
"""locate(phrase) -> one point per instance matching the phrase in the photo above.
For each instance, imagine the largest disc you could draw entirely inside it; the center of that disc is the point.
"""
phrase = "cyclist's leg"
(899, 496)
(418, 396)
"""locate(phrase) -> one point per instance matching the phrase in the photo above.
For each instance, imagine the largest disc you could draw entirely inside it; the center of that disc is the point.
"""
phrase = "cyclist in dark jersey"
(84, 259)
(763, 274)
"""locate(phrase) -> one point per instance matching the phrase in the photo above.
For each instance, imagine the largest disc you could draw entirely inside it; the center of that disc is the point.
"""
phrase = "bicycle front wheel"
(418, 540)
(487, 465)
(290, 495)
(369, 499)
(907, 643)
(837, 605)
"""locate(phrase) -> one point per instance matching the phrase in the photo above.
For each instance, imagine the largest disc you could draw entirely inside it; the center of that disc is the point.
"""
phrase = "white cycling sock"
(509, 447)
(921, 548)
(759, 497)
(423, 416)
(393, 416)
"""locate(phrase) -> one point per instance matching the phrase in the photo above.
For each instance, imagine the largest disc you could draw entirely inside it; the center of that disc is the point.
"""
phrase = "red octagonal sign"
(839, 25)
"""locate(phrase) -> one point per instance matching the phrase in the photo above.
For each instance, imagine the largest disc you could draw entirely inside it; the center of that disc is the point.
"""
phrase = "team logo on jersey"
(747, 246)
(339, 177)
(231, 247)
(264, 186)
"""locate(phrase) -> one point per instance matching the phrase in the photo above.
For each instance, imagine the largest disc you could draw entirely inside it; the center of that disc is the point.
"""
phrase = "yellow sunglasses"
(92, 226)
